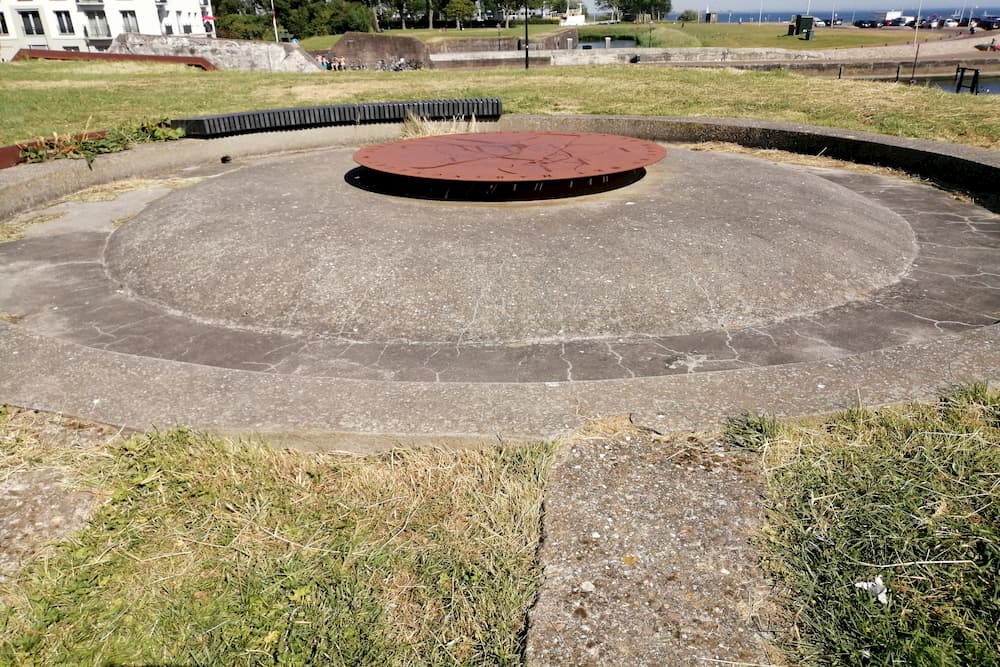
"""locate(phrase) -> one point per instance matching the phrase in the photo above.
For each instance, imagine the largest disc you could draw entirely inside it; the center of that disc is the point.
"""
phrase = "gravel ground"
(957, 47)
(39, 505)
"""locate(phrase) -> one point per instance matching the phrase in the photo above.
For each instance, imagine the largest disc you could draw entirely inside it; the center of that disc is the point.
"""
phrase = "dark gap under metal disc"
(503, 166)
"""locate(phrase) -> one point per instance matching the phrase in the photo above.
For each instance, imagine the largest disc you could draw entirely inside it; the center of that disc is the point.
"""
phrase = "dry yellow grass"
(111, 191)
(893, 109)
(12, 230)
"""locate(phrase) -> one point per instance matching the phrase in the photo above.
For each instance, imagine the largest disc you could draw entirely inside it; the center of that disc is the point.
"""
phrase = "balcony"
(97, 35)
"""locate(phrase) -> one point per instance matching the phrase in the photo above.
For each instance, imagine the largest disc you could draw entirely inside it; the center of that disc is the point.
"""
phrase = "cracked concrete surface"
(659, 569)
(743, 272)
(198, 311)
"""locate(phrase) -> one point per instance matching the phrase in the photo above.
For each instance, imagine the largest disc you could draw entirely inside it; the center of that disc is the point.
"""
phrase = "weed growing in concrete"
(89, 146)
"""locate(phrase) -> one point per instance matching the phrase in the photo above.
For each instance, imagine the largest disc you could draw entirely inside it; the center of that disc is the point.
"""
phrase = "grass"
(45, 97)
(775, 35)
(672, 35)
(324, 42)
(211, 551)
(909, 494)
(12, 230)
(87, 148)
(217, 551)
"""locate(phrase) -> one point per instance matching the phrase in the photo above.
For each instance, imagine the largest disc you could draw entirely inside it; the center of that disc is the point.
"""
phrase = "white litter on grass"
(876, 588)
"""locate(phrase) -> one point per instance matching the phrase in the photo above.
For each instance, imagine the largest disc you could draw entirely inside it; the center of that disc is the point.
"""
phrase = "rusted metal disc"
(507, 157)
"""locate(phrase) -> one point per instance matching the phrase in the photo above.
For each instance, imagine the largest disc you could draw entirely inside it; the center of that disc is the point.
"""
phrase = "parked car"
(861, 23)
(837, 21)
(819, 23)
(950, 23)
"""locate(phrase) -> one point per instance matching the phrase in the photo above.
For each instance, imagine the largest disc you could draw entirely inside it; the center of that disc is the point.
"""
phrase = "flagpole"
(274, 21)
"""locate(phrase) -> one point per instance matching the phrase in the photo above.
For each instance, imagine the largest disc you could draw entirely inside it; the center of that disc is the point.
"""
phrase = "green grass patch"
(320, 42)
(908, 494)
(325, 42)
(88, 148)
(671, 35)
(775, 36)
(45, 97)
(212, 551)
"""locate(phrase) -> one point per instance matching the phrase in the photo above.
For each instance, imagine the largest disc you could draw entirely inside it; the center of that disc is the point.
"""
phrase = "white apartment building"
(90, 25)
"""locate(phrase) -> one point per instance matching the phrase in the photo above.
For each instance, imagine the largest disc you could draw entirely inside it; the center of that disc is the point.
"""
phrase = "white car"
(950, 23)
(818, 23)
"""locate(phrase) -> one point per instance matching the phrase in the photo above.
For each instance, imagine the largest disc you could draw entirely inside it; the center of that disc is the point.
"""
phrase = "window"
(65, 23)
(71, 48)
(97, 25)
(187, 29)
(168, 29)
(3, 24)
(129, 21)
(32, 23)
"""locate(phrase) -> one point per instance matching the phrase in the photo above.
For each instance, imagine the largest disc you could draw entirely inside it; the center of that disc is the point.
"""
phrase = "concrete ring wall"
(975, 171)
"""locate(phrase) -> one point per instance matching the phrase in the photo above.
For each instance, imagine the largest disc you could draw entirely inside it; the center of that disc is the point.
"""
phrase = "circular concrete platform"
(271, 295)
(684, 251)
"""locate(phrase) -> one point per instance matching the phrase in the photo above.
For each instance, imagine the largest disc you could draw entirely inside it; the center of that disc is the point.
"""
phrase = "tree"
(241, 26)
(406, 8)
(432, 7)
(616, 7)
(509, 8)
(689, 15)
(340, 17)
(251, 19)
(460, 10)
(644, 10)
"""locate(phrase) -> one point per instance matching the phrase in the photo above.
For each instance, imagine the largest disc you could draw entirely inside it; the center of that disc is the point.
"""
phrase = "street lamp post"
(525, 34)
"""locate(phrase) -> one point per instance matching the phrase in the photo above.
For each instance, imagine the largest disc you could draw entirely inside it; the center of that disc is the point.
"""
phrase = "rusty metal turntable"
(504, 165)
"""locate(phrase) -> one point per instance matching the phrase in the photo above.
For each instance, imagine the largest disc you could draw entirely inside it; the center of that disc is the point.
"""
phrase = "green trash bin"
(809, 35)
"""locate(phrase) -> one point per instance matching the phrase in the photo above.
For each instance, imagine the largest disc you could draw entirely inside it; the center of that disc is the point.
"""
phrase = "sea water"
(827, 10)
